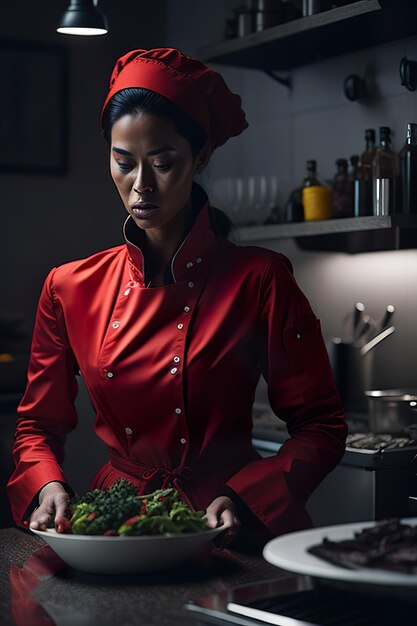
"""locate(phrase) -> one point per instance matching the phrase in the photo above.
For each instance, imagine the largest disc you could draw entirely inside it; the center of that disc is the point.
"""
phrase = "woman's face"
(153, 168)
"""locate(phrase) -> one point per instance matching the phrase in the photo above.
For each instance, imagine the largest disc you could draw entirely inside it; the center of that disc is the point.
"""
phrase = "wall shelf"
(353, 234)
(357, 25)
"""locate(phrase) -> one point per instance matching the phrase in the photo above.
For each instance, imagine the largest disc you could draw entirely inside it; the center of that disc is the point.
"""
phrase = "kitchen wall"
(47, 220)
(314, 120)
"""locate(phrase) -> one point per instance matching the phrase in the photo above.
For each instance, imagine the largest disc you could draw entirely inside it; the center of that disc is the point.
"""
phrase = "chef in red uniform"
(172, 329)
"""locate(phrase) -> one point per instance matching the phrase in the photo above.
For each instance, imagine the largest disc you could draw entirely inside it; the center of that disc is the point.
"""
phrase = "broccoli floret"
(120, 511)
(101, 510)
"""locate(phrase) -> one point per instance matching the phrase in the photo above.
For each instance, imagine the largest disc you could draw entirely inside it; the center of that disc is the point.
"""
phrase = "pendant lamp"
(83, 17)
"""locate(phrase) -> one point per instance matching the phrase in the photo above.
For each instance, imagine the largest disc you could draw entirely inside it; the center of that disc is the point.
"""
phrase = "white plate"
(289, 552)
(97, 554)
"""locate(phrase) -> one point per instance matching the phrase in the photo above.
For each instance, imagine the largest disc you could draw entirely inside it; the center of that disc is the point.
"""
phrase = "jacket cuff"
(253, 534)
(245, 515)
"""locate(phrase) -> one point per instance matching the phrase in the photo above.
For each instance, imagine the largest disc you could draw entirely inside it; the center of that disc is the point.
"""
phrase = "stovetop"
(302, 601)
(363, 448)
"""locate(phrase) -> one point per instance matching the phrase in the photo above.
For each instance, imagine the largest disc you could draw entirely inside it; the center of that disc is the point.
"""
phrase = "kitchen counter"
(36, 588)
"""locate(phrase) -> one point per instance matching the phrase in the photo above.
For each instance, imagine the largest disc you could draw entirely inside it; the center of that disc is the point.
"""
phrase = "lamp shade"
(83, 17)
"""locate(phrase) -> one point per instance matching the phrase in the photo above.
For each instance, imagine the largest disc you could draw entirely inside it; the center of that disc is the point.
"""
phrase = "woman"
(172, 330)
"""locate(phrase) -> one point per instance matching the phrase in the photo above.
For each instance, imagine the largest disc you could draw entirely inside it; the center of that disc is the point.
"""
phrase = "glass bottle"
(355, 169)
(311, 7)
(408, 172)
(342, 191)
(311, 179)
(268, 13)
(366, 163)
(356, 178)
(294, 209)
(316, 196)
(384, 172)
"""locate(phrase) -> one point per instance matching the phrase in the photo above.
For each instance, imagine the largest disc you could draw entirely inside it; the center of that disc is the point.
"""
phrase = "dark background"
(48, 219)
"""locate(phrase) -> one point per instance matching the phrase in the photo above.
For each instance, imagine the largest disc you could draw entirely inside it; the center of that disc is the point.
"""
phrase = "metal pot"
(391, 410)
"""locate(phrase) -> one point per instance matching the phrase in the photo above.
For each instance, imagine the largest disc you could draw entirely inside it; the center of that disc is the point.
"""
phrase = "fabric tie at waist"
(147, 472)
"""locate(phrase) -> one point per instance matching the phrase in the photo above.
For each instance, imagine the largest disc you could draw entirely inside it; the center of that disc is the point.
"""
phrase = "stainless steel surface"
(391, 410)
(357, 315)
(302, 601)
(377, 339)
(353, 374)
(352, 354)
(365, 485)
(365, 328)
(383, 189)
(213, 608)
(389, 312)
(398, 394)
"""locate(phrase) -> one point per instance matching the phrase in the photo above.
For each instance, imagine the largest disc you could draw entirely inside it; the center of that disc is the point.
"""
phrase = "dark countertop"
(31, 593)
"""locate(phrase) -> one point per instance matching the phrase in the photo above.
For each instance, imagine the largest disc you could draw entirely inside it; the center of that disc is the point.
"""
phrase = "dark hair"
(137, 100)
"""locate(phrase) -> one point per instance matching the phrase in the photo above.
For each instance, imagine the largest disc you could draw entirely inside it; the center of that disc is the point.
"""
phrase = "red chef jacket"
(172, 372)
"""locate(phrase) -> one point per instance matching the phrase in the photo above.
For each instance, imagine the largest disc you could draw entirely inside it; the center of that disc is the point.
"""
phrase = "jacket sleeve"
(301, 390)
(46, 412)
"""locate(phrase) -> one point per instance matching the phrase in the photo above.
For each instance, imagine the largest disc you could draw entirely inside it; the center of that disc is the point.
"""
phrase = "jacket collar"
(194, 253)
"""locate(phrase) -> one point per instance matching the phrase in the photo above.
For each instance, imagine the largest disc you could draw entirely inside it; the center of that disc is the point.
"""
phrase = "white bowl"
(98, 554)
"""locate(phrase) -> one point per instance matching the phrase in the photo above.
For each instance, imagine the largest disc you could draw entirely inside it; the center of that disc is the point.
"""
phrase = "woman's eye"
(162, 166)
(123, 166)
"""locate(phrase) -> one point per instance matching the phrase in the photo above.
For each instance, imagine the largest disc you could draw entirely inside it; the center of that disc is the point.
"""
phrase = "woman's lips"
(144, 210)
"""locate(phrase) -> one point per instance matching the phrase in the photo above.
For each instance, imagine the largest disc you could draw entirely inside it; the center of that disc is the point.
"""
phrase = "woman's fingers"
(221, 512)
(232, 525)
(41, 518)
(61, 507)
(53, 505)
(211, 518)
(62, 524)
(216, 509)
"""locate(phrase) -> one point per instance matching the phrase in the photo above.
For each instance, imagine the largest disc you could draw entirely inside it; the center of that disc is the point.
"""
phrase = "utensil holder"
(353, 375)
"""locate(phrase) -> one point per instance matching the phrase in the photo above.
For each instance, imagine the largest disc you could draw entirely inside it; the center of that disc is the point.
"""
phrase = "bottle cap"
(370, 134)
(311, 165)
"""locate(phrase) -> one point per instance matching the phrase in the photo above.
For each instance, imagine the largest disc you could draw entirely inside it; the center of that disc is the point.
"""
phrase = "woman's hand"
(222, 512)
(52, 509)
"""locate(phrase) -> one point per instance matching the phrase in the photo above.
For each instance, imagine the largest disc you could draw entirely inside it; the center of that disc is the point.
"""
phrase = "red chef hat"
(198, 90)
